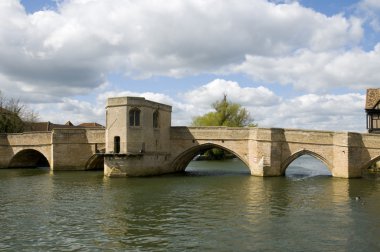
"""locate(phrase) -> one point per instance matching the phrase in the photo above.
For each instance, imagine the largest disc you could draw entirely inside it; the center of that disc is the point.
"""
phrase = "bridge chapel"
(372, 108)
(137, 136)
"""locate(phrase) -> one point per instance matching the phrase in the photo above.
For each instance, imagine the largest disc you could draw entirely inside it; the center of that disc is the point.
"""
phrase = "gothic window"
(134, 117)
(155, 119)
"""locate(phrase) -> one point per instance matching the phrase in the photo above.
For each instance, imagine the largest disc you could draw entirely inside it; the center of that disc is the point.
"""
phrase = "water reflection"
(224, 210)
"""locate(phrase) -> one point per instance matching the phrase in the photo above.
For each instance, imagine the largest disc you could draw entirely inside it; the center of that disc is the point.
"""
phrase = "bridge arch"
(368, 164)
(300, 153)
(182, 160)
(95, 162)
(28, 158)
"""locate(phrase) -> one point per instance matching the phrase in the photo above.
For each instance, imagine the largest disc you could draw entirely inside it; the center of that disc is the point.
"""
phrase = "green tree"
(226, 114)
(14, 116)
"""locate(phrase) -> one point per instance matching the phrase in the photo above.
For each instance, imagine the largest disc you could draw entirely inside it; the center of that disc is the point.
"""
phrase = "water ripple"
(85, 212)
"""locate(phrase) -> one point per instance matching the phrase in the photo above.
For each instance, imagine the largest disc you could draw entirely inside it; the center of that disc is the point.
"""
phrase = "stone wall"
(72, 148)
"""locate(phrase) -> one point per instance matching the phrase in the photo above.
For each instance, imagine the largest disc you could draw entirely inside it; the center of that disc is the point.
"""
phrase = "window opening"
(116, 144)
(134, 117)
(155, 119)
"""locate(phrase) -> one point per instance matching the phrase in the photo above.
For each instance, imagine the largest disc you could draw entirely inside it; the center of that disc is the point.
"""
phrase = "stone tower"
(137, 136)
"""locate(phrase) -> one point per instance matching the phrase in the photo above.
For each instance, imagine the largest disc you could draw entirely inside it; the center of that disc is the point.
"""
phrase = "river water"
(215, 206)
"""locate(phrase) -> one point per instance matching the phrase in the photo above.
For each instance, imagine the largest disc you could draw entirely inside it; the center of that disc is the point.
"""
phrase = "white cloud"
(307, 70)
(370, 10)
(330, 112)
(213, 91)
(70, 51)
(50, 58)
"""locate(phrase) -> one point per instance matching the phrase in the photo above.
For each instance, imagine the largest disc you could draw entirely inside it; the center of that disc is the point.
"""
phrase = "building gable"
(372, 98)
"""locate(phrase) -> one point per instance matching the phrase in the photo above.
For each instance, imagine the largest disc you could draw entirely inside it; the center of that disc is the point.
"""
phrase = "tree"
(226, 114)
(14, 115)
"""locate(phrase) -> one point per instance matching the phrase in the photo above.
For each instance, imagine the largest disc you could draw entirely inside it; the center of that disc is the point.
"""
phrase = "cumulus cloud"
(371, 10)
(330, 112)
(215, 90)
(311, 111)
(314, 71)
(71, 50)
(51, 58)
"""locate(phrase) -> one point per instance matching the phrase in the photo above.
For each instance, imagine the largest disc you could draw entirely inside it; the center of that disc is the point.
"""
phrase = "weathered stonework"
(64, 149)
(266, 151)
(145, 146)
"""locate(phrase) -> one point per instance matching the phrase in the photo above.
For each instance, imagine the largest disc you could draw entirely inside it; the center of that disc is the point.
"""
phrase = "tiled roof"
(92, 124)
(373, 98)
(45, 126)
(38, 126)
(48, 126)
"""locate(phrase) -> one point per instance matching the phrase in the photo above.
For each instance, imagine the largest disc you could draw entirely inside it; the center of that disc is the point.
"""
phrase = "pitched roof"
(373, 98)
(92, 124)
(48, 126)
(37, 126)
(45, 126)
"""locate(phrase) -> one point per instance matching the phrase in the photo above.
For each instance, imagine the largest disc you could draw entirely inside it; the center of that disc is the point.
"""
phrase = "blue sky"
(292, 64)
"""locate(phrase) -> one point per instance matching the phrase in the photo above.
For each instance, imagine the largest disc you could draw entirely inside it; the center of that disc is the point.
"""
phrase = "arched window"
(134, 117)
(155, 119)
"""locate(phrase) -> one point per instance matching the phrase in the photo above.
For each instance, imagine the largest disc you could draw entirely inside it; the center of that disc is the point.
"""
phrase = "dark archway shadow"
(95, 163)
(29, 158)
(306, 165)
(187, 162)
(371, 169)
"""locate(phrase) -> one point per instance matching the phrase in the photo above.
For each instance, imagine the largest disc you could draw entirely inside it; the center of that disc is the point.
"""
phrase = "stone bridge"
(265, 151)
(269, 151)
(61, 149)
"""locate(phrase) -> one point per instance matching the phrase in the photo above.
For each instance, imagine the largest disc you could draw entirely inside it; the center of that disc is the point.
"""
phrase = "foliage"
(14, 115)
(226, 114)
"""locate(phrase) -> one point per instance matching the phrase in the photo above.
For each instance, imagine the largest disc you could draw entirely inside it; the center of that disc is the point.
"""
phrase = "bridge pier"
(349, 153)
(265, 148)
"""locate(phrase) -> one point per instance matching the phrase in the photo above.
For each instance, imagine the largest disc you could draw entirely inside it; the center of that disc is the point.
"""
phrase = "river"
(215, 206)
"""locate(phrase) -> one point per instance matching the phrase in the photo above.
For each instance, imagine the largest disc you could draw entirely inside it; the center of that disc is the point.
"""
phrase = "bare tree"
(14, 115)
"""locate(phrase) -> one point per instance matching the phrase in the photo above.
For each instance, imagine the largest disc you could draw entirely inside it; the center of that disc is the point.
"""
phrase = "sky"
(293, 64)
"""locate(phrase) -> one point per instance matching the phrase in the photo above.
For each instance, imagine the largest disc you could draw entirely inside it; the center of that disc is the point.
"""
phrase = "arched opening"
(29, 159)
(372, 168)
(95, 163)
(306, 164)
(191, 162)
